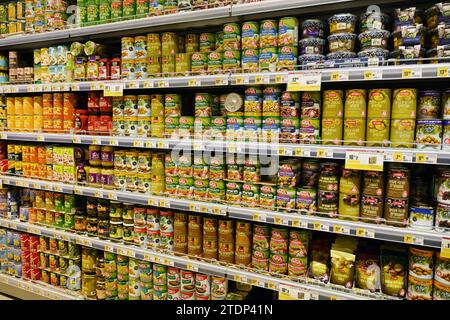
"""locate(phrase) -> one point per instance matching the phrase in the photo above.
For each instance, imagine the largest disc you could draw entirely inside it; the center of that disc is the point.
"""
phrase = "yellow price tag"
(113, 142)
(151, 202)
(337, 229)
(282, 151)
(421, 158)
(218, 81)
(397, 156)
(204, 209)
(147, 257)
(98, 194)
(192, 207)
(120, 251)
(317, 226)
(108, 248)
(271, 285)
(442, 72)
(237, 278)
(298, 152)
(258, 80)
(148, 84)
(239, 80)
(193, 82)
(296, 223)
(321, 153)
(134, 85)
(162, 84)
(112, 196)
(360, 232)
(138, 144)
(406, 73)
(40, 138)
(278, 220)
(445, 248)
(279, 79)
(334, 76)
(408, 238)
(368, 75)
(164, 203)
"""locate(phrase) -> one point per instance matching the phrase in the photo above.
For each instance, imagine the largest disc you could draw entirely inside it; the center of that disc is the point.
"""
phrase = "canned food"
(268, 34)
(250, 35)
(429, 134)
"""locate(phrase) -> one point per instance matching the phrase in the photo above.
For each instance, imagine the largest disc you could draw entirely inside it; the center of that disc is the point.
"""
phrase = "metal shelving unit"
(313, 289)
(34, 290)
(430, 238)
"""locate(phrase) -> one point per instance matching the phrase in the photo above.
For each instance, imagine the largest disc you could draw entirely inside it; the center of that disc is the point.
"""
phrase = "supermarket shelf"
(382, 73)
(30, 290)
(21, 41)
(212, 16)
(311, 289)
(412, 155)
(36, 184)
(428, 238)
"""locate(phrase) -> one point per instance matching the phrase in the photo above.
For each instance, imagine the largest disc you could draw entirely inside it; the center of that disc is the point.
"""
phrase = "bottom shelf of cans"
(96, 274)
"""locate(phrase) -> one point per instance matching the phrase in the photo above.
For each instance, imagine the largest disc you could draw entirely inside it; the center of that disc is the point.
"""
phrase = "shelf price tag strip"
(364, 160)
(113, 89)
(445, 247)
(310, 81)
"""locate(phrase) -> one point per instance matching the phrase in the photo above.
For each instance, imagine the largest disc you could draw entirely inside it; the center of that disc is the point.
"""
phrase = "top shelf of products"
(198, 18)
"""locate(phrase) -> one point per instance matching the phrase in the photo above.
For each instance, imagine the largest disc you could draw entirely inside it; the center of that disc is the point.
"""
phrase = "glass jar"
(103, 228)
(128, 232)
(116, 230)
(92, 226)
(80, 223)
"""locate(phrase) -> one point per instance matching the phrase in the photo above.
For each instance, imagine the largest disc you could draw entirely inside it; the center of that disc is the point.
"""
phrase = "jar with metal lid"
(101, 291)
(99, 266)
(81, 120)
(128, 232)
(91, 207)
(116, 229)
(115, 209)
(92, 226)
(88, 259)
(103, 209)
(80, 223)
(88, 286)
(128, 211)
(103, 228)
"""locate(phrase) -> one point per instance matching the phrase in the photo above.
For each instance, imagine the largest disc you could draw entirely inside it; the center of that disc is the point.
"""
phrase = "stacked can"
(195, 235)
(250, 46)
(25, 256)
(289, 117)
(153, 228)
(270, 131)
(403, 118)
(288, 179)
(184, 165)
(139, 233)
(312, 44)
(100, 278)
(4, 264)
(153, 54)
(203, 113)
(173, 284)
(157, 115)
(332, 117)
(202, 287)
(279, 242)
(166, 227)
(200, 174)
(171, 176)
(123, 277)
(88, 276)
(128, 53)
(169, 50)
(243, 244)
(110, 274)
(187, 285)
(143, 116)
(226, 240)
(210, 238)
(130, 112)
(378, 117)
(145, 271)
(306, 199)
(216, 189)
(14, 252)
(172, 115)
(442, 222)
(34, 258)
(4, 118)
(349, 194)
(261, 245)
(372, 196)
(310, 118)
(421, 273)
(355, 117)
(252, 113)
(231, 47)
(180, 232)
(160, 282)
(298, 252)
(268, 46)
(396, 207)
(327, 194)
(287, 43)
(134, 286)
(429, 123)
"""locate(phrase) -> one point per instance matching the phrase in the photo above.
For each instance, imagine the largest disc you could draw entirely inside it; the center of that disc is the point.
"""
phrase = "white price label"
(287, 292)
(113, 89)
(445, 247)
(426, 158)
(304, 81)
(364, 160)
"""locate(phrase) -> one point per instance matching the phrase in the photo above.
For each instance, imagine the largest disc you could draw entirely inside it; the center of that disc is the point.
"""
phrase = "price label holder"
(192, 267)
(221, 82)
(98, 194)
(40, 138)
(411, 73)
(324, 153)
(283, 151)
(194, 83)
(75, 87)
(413, 239)
(304, 81)
(164, 203)
(279, 79)
(445, 247)
(163, 84)
(113, 89)
(287, 292)
(78, 190)
(442, 72)
(272, 285)
(373, 74)
(339, 76)
(149, 84)
(321, 226)
(113, 142)
(138, 144)
(133, 85)
(152, 202)
(3, 136)
(361, 232)
(150, 144)
(97, 141)
(219, 211)
(364, 160)
(112, 196)
(261, 217)
(426, 158)
(341, 229)
(108, 248)
(242, 80)
(162, 145)
(259, 79)
(76, 139)
(57, 188)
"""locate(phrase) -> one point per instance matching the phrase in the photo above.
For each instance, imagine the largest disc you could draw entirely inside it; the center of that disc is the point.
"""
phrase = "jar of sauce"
(81, 121)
